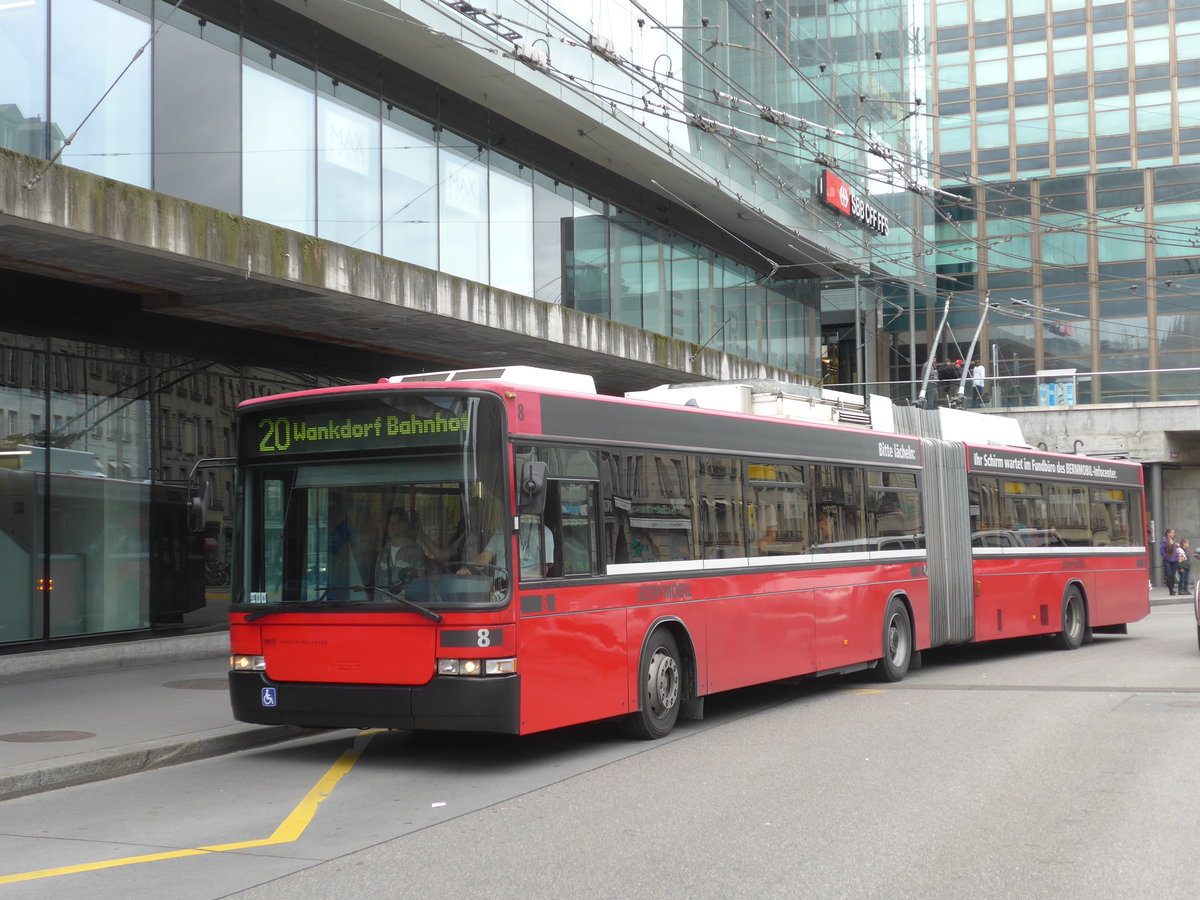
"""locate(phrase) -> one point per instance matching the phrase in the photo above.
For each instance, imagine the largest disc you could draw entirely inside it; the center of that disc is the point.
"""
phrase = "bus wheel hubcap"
(895, 641)
(663, 682)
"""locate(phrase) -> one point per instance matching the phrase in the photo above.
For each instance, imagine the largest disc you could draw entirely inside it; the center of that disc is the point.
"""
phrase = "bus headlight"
(242, 663)
(474, 667)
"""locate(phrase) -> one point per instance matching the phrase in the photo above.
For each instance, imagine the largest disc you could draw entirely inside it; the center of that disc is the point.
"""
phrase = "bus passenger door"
(572, 632)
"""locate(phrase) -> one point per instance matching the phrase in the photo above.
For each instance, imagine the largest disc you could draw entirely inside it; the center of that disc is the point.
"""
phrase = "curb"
(142, 757)
(129, 654)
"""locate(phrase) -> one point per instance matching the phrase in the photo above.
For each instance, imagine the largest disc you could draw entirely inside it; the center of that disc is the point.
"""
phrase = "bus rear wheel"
(897, 643)
(660, 688)
(1074, 622)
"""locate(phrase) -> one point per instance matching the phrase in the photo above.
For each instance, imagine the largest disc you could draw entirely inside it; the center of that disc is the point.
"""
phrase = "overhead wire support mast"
(960, 397)
(937, 340)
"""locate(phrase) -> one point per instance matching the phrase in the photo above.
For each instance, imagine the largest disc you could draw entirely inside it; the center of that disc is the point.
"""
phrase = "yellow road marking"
(288, 831)
(859, 692)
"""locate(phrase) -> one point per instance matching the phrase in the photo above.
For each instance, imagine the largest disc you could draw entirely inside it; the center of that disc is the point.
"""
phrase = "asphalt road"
(1007, 770)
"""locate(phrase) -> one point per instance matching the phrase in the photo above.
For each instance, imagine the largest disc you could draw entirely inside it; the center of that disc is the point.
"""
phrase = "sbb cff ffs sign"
(836, 194)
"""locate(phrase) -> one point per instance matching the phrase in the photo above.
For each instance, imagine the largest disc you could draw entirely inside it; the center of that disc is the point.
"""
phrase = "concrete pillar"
(1156, 512)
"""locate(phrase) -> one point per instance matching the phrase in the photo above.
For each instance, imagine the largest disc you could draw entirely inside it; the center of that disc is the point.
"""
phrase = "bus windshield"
(417, 524)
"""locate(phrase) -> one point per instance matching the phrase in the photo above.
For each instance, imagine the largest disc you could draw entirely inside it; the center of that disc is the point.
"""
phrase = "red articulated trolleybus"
(507, 551)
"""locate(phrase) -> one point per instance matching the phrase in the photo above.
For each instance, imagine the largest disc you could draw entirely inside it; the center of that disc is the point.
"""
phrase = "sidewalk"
(73, 715)
(69, 716)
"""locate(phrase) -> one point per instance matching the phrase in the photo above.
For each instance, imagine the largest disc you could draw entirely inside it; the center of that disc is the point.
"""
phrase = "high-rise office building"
(1067, 171)
(1066, 133)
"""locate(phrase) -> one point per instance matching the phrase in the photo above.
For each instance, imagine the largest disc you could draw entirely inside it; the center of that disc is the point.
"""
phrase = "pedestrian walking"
(1184, 568)
(978, 379)
(1168, 549)
(947, 379)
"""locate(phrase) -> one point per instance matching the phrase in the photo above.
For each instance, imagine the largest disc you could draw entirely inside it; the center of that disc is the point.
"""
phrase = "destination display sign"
(1034, 465)
(354, 427)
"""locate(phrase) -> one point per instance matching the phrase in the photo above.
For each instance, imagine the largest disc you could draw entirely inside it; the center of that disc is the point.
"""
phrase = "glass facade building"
(300, 120)
(272, 135)
(1070, 159)
(97, 441)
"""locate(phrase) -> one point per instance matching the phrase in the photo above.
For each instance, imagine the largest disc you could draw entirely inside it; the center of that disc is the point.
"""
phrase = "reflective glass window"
(1113, 517)
(1126, 242)
(838, 510)
(552, 210)
(651, 503)
(1123, 336)
(1023, 509)
(22, 488)
(719, 507)
(1154, 153)
(893, 510)
(627, 240)
(90, 45)
(1130, 385)
(83, 477)
(1150, 52)
(197, 121)
(950, 14)
(776, 509)
(463, 208)
(511, 223)
(23, 112)
(734, 279)
(1069, 62)
(992, 136)
(1113, 56)
(1071, 126)
(656, 281)
(1154, 118)
(952, 140)
(410, 189)
(587, 257)
(950, 77)
(278, 152)
(685, 290)
(992, 72)
(1063, 247)
(348, 179)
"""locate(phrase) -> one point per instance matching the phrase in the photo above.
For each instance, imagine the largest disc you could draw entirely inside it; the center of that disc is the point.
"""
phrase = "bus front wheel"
(897, 643)
(660, 686)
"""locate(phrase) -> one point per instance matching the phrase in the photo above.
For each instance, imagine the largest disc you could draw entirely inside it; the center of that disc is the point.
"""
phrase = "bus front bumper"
(443, 704)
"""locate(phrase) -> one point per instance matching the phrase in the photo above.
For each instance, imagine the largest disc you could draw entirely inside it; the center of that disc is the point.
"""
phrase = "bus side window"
(776, 509)
(572, 519)
(719, 516)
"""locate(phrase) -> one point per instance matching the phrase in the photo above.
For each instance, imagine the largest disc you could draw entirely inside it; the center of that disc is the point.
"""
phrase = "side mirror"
(197, 509)
(531, 497)
(201, 496)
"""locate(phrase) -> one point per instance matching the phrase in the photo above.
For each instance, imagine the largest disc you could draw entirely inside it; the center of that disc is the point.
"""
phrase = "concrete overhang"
(440, 44)
(195, 263)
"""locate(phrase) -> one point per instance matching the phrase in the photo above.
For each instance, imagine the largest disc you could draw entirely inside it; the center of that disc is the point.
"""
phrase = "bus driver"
(537, 555)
